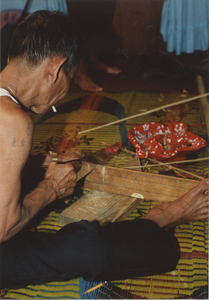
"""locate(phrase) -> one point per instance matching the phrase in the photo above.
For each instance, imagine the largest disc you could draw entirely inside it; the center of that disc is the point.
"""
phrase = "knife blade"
(88, 163)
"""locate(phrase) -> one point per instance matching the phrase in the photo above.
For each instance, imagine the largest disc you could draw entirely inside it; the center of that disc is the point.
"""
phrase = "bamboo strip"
(171, 163)
(204, 102)
(169, 167)
(146, 113)
(177, 170)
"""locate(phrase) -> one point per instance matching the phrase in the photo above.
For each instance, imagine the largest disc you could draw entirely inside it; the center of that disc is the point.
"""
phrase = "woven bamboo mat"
(59, 131)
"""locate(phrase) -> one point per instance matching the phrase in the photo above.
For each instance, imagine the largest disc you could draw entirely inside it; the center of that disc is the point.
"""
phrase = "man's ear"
(55, 65)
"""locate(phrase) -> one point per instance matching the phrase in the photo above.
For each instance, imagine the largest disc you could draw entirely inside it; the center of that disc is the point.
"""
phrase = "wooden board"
(126, 182)
(100, 206)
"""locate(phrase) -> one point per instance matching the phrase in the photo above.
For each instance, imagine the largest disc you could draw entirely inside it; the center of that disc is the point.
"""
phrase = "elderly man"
(43, 58)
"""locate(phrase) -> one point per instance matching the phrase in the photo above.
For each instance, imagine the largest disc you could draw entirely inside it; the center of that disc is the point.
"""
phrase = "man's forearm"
(32, 204)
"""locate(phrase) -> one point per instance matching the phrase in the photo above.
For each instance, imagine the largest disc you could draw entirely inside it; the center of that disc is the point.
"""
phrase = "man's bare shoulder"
(9, 110)
(16, 130)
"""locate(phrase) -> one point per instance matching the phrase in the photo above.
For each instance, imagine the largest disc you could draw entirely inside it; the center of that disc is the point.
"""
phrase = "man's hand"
(62, 177)
(70, 155)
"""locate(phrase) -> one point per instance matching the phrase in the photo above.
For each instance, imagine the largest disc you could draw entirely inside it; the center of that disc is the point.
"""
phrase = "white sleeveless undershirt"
(4, 92)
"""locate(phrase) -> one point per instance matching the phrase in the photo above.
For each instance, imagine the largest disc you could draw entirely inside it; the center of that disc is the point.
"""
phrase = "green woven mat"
(81, 111)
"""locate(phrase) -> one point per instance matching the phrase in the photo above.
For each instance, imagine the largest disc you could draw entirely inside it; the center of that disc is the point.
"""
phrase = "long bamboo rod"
(170, 163)
(204, 102)
(147, 112)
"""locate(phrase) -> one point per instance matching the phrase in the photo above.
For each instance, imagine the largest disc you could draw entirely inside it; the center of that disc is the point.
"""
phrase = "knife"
(88, 163)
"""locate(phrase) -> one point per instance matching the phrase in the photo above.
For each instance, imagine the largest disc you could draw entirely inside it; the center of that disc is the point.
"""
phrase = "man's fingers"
(70, 155)
(77, 165)
(63, 176)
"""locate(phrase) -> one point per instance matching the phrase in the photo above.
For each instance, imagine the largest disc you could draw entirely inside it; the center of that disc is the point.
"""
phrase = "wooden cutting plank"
(127, 182)
(99, 206)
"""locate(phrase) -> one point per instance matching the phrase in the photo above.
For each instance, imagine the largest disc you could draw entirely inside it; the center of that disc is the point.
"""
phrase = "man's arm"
(59, 182)
(16, 133)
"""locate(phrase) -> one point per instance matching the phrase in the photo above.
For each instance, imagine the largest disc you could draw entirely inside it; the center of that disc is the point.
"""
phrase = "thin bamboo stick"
(177, 170)
(171, 163)
(146, 113)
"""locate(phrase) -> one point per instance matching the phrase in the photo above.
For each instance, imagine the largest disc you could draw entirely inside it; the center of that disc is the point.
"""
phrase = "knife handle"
(54, 155)
(76, 163)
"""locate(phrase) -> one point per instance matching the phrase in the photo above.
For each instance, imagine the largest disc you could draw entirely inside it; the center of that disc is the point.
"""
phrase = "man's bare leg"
(83, 80)
(193, 206)
(96, 43)
(108, 69)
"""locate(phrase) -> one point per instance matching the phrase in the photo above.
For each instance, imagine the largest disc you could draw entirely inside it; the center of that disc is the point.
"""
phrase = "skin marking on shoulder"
(23, 142)
(28, 130)
(13, 143)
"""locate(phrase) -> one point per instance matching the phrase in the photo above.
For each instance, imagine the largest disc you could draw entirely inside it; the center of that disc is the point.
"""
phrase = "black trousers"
(115, 251)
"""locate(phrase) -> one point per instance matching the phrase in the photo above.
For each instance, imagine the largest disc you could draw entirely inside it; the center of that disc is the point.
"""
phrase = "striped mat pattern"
(81, 111)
